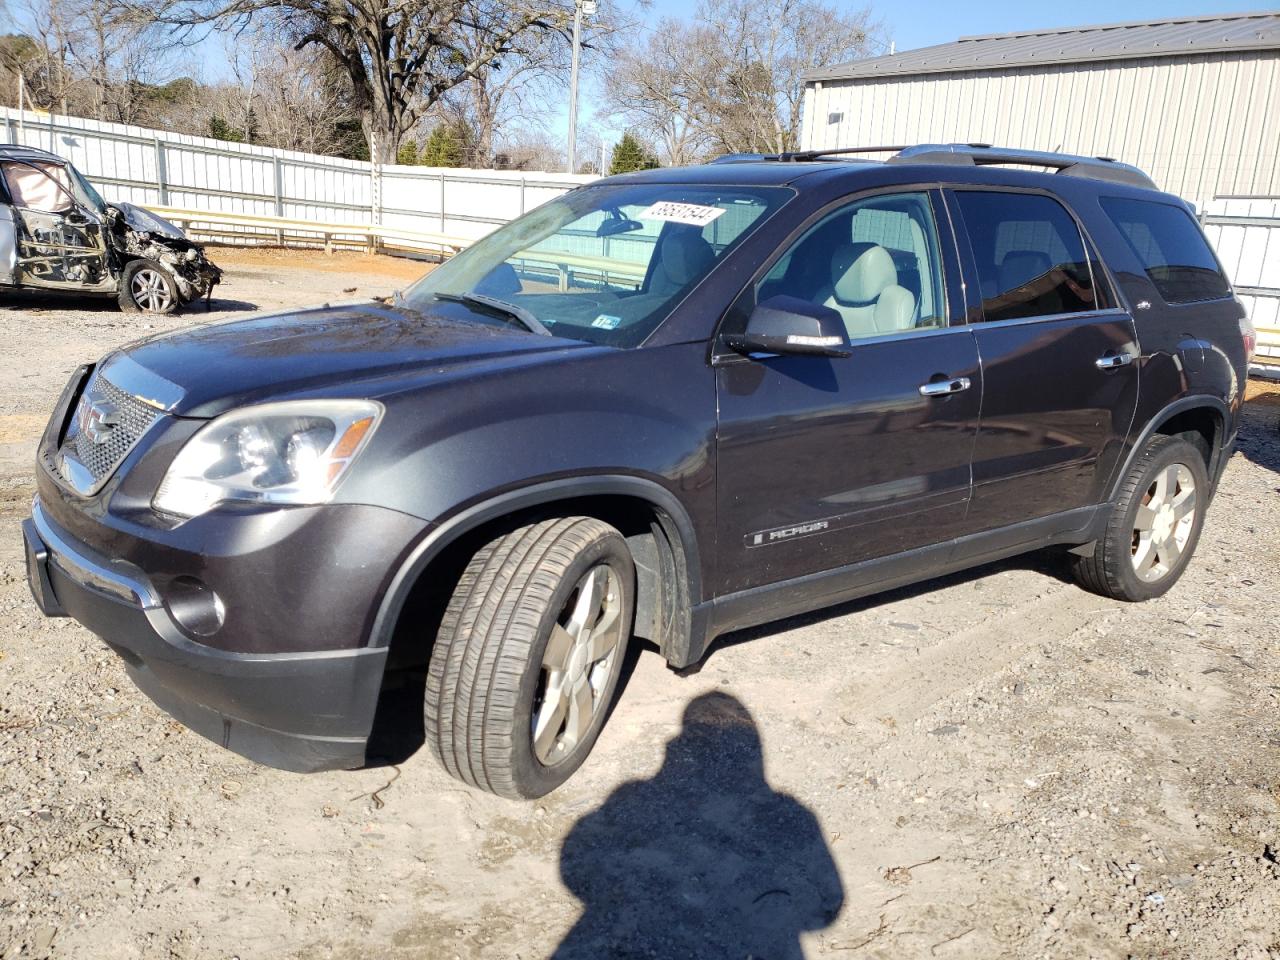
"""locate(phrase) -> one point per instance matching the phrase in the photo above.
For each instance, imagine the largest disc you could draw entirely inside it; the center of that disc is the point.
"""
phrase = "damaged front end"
(140, 234)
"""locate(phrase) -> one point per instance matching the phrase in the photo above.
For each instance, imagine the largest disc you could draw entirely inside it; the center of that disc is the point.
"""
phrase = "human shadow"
(704, 860)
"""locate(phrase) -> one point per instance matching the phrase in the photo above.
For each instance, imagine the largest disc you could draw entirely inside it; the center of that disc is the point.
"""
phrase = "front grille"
(108, 422)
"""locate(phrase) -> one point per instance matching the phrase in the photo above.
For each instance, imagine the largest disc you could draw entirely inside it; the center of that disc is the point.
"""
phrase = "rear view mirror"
(789, 325)
(616, 225)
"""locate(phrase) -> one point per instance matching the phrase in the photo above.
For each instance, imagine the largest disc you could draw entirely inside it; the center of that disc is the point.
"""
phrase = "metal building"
(1194, 101)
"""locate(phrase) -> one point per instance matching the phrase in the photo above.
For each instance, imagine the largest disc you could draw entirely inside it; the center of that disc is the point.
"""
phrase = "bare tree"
(647, 86)
(515, 85)
(732, 79)
(400, 57)
(90, 58)
(284, 97)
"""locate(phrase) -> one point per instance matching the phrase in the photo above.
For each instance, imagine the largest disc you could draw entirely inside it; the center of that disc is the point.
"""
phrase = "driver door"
(828, 462)
(58, 243)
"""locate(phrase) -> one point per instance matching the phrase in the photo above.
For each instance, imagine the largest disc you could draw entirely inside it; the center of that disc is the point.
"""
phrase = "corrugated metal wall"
(1203, 127)
(155, 167)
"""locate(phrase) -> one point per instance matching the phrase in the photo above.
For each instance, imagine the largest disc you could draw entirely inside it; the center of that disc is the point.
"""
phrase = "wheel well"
(662, 573)
(1199, 426)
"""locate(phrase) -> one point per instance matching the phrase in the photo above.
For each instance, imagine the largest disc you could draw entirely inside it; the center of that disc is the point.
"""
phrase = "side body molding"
(680, 646)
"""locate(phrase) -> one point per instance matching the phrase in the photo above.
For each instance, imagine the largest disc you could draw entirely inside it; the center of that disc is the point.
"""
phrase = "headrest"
(861, 271)
(686, 255)
(1019, 267)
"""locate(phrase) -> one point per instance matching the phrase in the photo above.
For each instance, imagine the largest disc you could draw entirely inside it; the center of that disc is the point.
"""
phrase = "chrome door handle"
(943, 387)
(1113, 360)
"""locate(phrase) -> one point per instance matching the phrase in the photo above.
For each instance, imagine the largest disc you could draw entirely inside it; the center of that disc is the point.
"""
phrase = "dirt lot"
(992, 765)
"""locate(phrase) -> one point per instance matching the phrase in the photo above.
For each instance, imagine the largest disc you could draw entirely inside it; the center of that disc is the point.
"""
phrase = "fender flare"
(462, 522)
(1194, 402)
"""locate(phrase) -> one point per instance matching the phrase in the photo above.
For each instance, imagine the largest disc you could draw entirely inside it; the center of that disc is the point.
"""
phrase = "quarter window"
(875, 262)
(1172, 249)
(1030, 256)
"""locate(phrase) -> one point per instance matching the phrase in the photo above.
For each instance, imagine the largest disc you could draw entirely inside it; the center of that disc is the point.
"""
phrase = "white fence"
(152, 167)
(1246, 233)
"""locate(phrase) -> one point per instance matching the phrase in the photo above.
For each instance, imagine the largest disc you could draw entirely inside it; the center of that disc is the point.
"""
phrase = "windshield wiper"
(522, 316)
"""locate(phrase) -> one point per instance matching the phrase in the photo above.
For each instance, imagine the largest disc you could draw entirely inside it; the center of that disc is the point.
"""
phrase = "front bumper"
(296, 711)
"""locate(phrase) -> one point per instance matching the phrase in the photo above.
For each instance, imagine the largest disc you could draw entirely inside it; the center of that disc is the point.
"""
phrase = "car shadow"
(57, 300)
(219, 305)
(1259, 437)
(1051, 562)
(704, 859)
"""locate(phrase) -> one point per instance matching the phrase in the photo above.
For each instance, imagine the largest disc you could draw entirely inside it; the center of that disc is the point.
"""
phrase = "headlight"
(292, 452)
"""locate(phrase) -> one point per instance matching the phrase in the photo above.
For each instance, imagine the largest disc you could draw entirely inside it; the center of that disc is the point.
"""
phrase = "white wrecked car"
(57, 233)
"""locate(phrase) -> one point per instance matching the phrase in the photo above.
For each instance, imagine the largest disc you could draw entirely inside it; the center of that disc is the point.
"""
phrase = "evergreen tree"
(219, 129)
(446, 147)
(408, 153)
(630, 154)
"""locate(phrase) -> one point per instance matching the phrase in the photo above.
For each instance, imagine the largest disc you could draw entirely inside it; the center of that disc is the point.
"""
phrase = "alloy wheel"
(1164, 522)
(579, 660)
(150, 290)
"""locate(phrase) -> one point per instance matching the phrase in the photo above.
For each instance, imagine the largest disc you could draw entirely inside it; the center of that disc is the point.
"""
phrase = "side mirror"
(789, 325)
(77, 218)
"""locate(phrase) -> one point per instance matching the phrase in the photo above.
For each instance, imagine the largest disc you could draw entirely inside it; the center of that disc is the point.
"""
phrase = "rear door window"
(1030, 256)
(1172, 249)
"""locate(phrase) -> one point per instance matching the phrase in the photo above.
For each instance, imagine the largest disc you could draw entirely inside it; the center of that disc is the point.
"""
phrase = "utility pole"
(580, 8)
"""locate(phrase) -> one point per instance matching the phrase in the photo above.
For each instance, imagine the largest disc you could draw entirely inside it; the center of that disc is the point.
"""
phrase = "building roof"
(1181, 36)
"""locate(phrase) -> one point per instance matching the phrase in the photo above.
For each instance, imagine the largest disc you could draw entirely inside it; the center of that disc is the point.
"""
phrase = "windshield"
(604, 264)
(85, 193)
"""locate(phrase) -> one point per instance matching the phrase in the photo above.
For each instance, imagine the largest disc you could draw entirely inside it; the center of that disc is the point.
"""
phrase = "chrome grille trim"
(85, 463)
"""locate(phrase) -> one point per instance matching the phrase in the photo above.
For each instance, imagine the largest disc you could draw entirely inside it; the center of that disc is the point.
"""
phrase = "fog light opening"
(195, 606)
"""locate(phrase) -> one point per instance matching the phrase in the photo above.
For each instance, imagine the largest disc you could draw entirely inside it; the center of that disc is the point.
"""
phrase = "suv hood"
(206, 370)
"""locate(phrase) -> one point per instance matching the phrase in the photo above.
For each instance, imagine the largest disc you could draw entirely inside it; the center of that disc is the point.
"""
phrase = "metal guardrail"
(264, 228)
(239, 227)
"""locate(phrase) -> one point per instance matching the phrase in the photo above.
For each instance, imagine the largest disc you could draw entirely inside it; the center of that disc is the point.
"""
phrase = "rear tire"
(527, 660)
(1154, 524)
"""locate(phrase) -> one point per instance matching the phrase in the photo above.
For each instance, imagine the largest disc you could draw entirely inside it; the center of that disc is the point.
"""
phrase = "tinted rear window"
(1171, 247)
(1031, 258)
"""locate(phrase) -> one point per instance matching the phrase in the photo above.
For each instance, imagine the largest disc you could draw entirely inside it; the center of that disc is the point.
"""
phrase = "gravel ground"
(995, 764)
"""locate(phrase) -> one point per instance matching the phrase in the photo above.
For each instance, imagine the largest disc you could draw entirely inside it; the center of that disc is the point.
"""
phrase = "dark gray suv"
(665, 406)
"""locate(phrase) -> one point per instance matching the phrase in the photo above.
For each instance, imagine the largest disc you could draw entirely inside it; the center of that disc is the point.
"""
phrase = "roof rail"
(979, 154)
(740, 157)
(801, 155)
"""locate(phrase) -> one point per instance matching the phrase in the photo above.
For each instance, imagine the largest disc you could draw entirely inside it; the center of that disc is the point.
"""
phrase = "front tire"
(1154, 524)
(528, 656)
(147, 287)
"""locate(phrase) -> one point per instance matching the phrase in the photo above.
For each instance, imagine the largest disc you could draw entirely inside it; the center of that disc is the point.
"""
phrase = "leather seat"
(683, 256)
(864, 290)
(1019, 267)
(1023, 268)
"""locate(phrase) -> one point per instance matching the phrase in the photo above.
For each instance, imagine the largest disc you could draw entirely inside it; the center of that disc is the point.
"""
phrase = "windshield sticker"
(690, 213)
(606, 322)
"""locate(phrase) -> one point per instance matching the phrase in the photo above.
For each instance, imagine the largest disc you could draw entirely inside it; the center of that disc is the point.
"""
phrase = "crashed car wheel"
(528, 656)
(147, 287)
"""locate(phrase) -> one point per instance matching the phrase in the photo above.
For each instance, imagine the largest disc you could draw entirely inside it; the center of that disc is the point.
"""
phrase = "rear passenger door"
(1059, 359)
